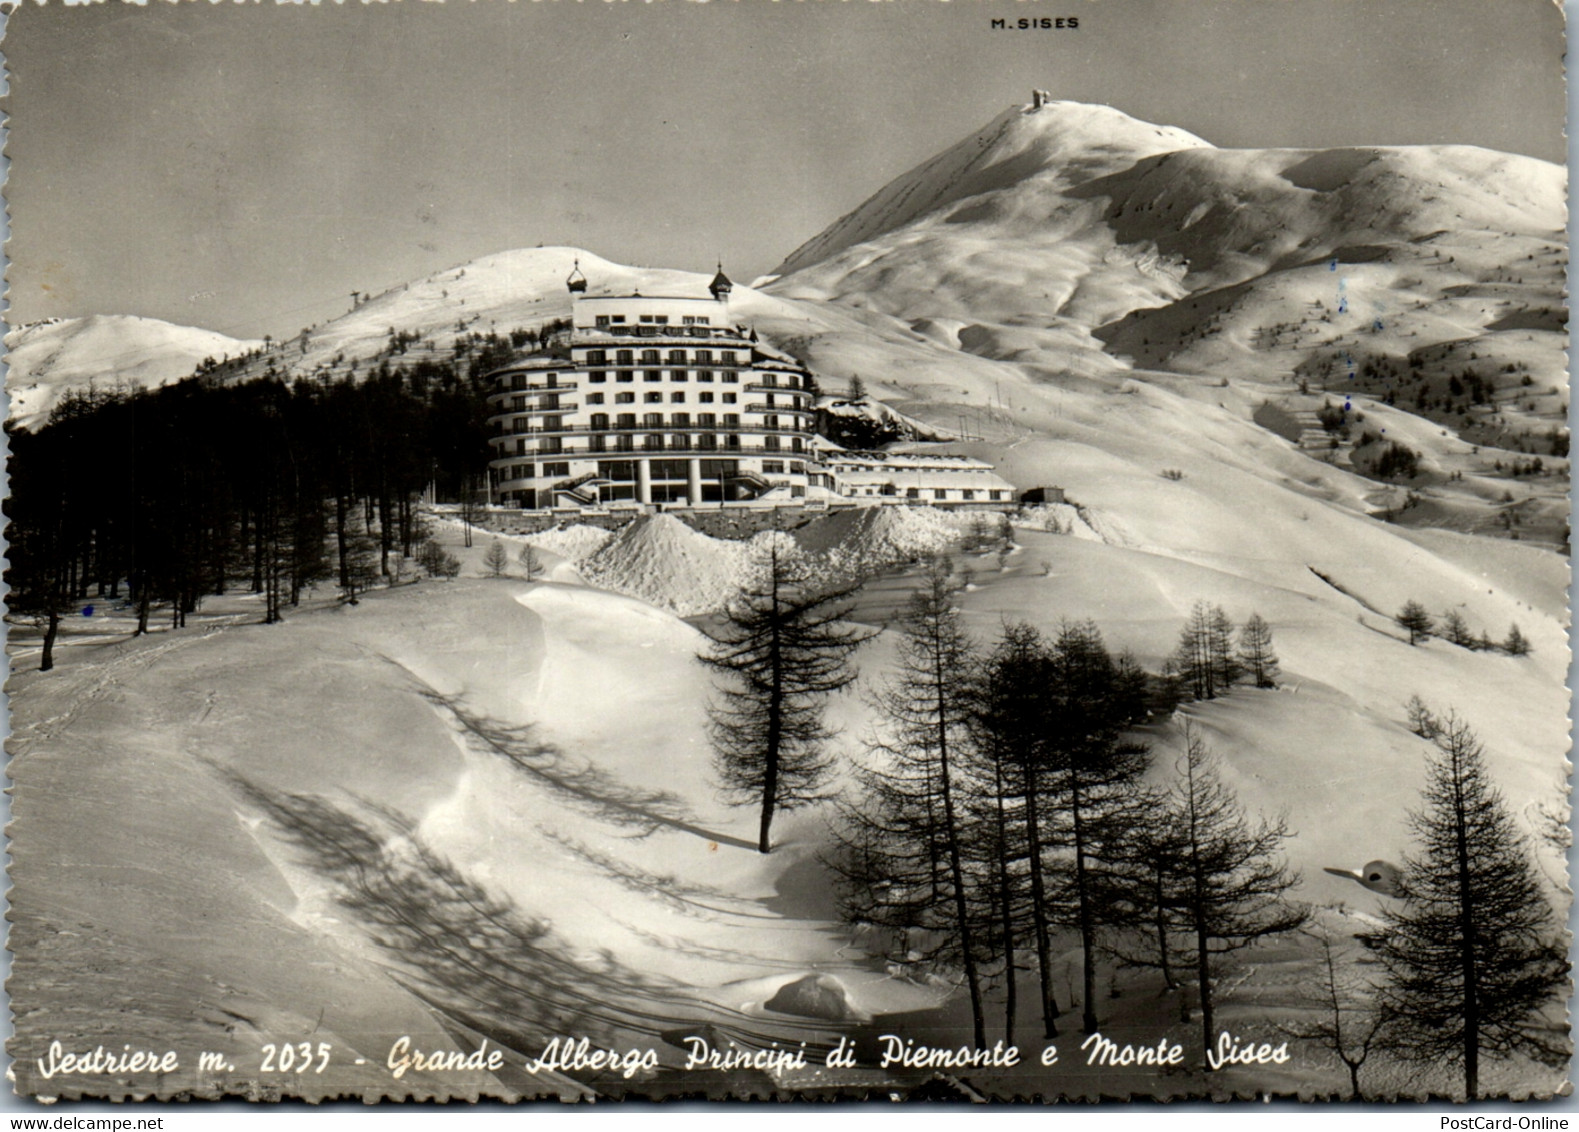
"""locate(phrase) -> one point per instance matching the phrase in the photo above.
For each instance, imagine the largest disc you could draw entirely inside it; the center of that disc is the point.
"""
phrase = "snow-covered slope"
(1036, 238)
(47, 359)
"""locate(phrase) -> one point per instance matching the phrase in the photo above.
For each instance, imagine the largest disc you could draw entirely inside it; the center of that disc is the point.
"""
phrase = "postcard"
(1009, 552)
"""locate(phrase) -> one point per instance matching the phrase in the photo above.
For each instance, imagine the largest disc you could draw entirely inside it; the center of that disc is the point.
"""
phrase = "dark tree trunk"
(51, 629)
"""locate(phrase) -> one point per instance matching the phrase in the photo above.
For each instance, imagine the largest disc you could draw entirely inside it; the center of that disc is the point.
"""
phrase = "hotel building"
(652, 399)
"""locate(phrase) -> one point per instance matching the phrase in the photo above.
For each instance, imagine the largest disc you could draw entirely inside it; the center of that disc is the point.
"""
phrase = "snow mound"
(575, 543)
(665, 563)
(866, 539)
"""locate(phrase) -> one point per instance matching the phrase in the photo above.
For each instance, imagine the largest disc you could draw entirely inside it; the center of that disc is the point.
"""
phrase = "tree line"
(1004, 803)
(1001, 800)
(198, 487)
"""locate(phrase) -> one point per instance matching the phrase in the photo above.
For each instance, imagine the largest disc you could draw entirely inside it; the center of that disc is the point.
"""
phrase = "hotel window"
(731, 377)
(696, 320)
(677, 375)
(770, 421)
(518, 404)
(600, 420)
(652, 420)
(939, 493)
(769, 380)
(679, 442)
(649, 357)
(624, 375)
(624, 444)
(597, 377)
(556, 469)
(594, 398)
(597, 444)
(995, 494)
(707, 440)
(731, 420)
(678, 396)
(771, 443)
(520, 448)
(912, 493)
(797, 467)
(597, 357)
(706, 420)
(705, 397)
(731, 441)
(653, 397)
(652, 443)
(680, 420)
(654, 375)
(704, 375)
(730, 398)
(797, 445)
(773, 467)
(553, 424)
(728, 357)
(704, 357)
(626, 420)
(623, 357)
(677, 357)
(603, 320)
(624, 398)
(967, 494)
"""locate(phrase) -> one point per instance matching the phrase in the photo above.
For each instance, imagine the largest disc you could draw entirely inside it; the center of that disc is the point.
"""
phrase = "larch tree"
(1516, 644)
(1414, 620)
(1010, 725)
(1232, 885)
(1192, 661)
(1094, 777)
(783, 649)
(1474, 956)
(496, 558)
(905, 859)
(1256, 653)
(1226, 669)
(531, 561)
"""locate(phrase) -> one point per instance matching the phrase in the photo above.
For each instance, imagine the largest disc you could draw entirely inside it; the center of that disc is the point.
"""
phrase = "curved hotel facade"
(652, 399)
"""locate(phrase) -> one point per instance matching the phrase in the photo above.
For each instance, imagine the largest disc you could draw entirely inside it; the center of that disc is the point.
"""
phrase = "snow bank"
(575, 543)
(867, 539)
(668, 564)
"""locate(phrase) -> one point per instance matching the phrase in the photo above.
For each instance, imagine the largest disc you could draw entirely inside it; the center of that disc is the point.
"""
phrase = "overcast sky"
(243, 167)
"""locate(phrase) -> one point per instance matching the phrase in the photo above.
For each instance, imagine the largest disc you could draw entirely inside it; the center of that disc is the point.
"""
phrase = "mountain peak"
(1066, 143)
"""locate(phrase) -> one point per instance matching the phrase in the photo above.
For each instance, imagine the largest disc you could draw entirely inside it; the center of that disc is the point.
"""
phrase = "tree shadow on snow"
(474, 956)
(583, 786)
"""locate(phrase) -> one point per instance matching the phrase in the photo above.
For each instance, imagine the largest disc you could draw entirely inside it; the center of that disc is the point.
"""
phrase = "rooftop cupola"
(576, 282)
(720, 286)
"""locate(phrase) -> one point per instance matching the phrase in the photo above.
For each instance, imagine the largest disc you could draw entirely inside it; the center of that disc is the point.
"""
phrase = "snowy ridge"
(48, 359)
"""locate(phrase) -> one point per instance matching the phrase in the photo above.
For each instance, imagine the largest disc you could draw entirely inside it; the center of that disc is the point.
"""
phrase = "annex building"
(662, 399)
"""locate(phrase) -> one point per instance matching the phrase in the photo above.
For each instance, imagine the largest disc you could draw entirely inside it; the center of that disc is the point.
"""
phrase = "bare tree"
(1232, 885)
(784, 648)
(1345, 1024)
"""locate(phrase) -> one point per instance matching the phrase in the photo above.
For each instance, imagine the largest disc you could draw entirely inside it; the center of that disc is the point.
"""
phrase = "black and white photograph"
(712, 550)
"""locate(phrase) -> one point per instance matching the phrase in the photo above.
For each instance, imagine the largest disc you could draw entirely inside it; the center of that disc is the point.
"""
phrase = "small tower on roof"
(721, 286)
(576, 282)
